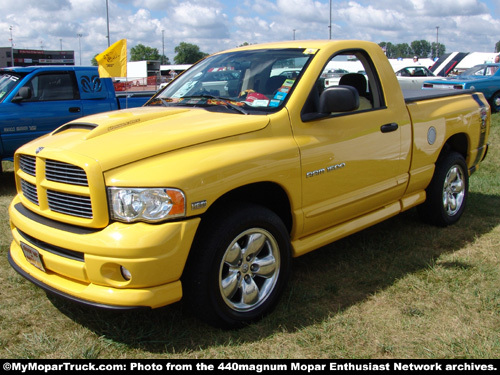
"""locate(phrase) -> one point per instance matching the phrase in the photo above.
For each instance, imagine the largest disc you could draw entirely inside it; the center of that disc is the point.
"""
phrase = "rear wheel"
(239, 266)
(448, 191)
(495, 102)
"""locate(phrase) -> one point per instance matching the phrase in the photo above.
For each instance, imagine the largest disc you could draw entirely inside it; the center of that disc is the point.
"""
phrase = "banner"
(113, 61)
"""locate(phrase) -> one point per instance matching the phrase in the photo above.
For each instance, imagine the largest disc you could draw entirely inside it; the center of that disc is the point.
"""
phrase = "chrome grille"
(69, 204)
(29, 191)
(65, 173)
(28, 164)
(58, 187)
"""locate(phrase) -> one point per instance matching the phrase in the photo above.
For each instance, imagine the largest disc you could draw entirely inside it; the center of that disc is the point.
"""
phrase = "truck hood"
(120, 137)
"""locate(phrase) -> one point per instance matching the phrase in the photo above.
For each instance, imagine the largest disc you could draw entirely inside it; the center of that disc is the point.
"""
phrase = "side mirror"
(23, 94)
(338, 99)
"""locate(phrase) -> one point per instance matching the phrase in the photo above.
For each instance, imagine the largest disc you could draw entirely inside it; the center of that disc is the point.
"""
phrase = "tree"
(440, 51)
(403, 50)
(164, 59)
(188, 53)
(394, 51)
(141, 52)
(421, 48)
(497, 47)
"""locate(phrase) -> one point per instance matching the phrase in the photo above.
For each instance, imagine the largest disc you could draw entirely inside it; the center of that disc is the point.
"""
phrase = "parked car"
(332, 77)
(412, 77)
(36, 100)
(484, 78)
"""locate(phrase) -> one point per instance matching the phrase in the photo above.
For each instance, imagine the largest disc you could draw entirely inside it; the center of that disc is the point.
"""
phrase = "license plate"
(33, 256)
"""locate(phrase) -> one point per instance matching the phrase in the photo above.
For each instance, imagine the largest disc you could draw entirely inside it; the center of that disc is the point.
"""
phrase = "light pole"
(330, 26)
(80, 46)
(11, 48)
(107, 20)
(437, 41)
(163, 46)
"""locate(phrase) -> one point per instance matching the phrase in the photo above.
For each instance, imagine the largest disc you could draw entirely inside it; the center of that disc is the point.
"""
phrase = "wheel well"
(458, 143)
(266, 194)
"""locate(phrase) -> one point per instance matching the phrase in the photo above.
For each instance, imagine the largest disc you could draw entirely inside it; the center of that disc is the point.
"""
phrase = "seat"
(358, 81)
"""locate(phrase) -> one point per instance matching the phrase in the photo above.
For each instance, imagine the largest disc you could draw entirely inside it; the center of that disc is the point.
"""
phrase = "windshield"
(7, 83)
(248, 82)
(481, 70)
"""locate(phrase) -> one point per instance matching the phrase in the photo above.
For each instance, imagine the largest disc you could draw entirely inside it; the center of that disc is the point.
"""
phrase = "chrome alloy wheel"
(249, 270)
(453, 190)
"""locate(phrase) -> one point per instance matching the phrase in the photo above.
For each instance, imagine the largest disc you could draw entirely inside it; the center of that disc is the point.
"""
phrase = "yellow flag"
(113, 61)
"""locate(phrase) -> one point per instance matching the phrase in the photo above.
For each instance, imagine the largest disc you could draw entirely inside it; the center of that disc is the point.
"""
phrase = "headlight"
(146, 204)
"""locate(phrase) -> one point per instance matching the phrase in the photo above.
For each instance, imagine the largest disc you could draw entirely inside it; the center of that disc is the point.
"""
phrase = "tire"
(448, 192)
(495, 102)
(239, 266)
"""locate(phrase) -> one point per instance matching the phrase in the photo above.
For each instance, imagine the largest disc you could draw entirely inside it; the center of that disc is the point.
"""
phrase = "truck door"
(351, 161)
(97, 94)
(54, 100)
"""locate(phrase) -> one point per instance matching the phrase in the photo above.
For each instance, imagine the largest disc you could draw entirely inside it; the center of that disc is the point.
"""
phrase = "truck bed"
(418, 95)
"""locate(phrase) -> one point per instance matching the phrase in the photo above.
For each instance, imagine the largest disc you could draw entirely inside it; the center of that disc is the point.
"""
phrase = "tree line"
(186, 53)
(420, 48)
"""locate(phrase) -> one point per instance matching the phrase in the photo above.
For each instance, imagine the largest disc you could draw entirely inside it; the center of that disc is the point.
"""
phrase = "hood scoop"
(71, 125)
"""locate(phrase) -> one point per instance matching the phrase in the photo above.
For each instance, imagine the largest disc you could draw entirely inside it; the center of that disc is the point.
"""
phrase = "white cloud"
(219, 24)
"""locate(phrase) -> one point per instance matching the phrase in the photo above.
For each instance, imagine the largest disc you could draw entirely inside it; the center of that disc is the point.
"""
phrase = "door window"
(349, 68)
(54, 86)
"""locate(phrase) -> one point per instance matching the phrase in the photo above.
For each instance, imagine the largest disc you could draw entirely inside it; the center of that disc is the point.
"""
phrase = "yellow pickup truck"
(241, 163)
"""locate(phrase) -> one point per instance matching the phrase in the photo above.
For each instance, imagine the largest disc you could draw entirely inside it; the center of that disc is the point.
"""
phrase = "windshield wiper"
(226, 101)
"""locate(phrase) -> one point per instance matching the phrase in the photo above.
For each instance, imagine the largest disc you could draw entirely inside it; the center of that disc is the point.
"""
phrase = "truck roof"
(29, 69)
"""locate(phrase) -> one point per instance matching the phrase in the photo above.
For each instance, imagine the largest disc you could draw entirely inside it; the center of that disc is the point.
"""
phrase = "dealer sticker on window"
(33, 256)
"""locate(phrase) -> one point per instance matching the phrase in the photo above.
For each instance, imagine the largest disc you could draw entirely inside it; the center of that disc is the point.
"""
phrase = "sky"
(215, 25)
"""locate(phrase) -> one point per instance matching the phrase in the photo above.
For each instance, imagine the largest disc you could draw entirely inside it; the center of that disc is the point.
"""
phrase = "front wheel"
(448, 191)
(239, 266)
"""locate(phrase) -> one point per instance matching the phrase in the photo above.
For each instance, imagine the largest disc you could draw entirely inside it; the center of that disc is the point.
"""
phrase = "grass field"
(401, 289)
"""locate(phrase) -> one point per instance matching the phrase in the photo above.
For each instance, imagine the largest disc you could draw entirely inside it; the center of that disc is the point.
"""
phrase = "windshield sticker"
(280, 95)
(256, 99)
(310, 51)
(288, 83)
(259, 103)
(274, 103)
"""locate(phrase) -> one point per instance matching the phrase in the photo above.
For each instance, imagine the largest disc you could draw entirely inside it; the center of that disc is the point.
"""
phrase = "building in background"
(27, 57)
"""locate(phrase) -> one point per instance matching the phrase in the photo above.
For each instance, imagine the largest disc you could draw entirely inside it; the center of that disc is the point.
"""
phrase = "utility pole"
(330, 26)
(11, 48)
(80, 45)
(107, 21)
(437, 41)
(163, 46)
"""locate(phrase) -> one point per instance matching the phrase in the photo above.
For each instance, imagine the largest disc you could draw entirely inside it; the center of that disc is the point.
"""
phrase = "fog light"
(125, 273)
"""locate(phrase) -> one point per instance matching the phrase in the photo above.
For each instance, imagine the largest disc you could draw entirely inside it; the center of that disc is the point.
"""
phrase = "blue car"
(484, 78)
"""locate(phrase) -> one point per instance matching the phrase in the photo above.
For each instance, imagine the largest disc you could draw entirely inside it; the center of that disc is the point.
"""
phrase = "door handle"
(387, 128)
(74, 109)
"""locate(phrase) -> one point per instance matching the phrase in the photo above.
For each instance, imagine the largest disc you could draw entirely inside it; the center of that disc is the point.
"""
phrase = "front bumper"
(85, 265)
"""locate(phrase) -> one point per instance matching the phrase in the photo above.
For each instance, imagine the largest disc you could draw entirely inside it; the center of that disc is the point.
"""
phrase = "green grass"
(401, 289)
